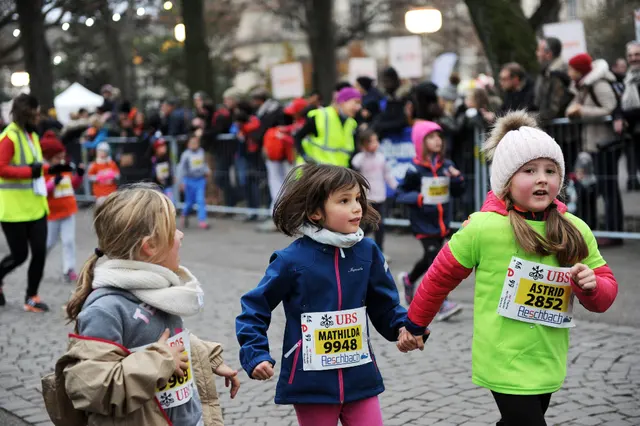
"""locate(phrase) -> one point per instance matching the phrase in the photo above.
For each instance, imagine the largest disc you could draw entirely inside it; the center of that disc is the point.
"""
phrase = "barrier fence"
(239, 183)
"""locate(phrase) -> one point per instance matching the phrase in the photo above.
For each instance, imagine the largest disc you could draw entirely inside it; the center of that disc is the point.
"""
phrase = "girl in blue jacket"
(428, 186)
(329, 281)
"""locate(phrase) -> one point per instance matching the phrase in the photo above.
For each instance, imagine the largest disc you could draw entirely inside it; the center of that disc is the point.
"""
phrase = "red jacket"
(62, 200)
(7, 171)
(446, 273)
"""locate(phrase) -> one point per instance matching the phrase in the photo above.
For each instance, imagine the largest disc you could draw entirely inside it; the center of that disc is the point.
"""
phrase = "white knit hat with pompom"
(514, 141)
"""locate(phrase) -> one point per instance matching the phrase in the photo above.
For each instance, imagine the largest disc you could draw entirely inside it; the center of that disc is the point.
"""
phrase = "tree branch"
(7, 19)
(546, 9)
(10, 62)
(286, 10)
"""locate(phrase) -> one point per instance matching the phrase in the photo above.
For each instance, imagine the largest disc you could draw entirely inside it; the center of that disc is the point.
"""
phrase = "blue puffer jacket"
(309, 276)
(428, 220)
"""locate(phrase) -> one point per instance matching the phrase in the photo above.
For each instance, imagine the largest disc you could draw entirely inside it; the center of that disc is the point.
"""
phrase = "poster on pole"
(637, 21)
(571, 34)
(287, 80)
(362, 67)
(405, 55)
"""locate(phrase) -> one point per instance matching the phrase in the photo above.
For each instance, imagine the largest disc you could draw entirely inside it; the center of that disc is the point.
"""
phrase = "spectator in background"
(517, 87)
(448, 95)
(371, 98)
(249, 161)
(596, 98)
(392, 118)
(630, 113)
(203, 113)
(314, 99)
(48, 121)
(423, 103)
(552, 94)
(267, 110)
(176, 119)
(619, 69)
(109, 104)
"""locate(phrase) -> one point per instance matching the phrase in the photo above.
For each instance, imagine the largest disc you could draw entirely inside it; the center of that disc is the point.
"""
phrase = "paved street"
(423, 388)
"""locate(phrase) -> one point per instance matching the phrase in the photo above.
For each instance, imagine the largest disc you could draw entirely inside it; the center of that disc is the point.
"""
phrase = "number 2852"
(554, 303)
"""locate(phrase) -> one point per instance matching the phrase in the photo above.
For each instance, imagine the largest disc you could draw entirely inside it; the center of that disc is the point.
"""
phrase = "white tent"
(75, 97)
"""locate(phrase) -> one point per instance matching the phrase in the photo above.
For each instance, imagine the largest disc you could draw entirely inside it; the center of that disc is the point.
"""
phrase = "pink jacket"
(374, 167)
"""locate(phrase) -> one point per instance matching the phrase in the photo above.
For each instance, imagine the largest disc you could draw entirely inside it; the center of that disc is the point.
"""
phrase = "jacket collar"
(494, 204)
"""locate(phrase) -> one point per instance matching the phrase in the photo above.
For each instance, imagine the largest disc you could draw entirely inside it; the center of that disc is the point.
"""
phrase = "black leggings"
(20, 236)
(522, 410)
(431, 247)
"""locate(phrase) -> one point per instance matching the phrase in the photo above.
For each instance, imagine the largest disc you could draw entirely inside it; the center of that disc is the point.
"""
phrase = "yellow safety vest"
(334, 143)
(18, 202)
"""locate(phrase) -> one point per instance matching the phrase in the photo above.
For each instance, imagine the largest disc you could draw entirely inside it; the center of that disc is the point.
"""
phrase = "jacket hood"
(419, 131)
(600, 71)
(107, 291)
(494, 204)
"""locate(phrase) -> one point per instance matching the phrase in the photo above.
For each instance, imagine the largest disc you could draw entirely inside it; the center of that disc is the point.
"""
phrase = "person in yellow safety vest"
(23, 199)
(327, 136)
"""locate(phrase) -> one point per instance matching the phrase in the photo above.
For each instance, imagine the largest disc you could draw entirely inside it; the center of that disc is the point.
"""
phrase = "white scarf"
(324, 236)
(177, 293)
(631, 97)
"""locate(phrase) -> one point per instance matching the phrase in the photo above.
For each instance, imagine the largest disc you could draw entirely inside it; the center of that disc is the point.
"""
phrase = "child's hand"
(452, 172)
(264, 371)
(583, 276)
(408, 342)
(179, 357)
(230, 378)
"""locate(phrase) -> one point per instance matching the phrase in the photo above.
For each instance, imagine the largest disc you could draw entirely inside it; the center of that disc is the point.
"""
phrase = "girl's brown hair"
(364, 137)
(306, 189)
(127, 219)
(561, 238)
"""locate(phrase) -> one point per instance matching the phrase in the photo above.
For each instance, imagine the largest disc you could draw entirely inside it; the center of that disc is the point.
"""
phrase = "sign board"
(442, 68)
(362, 67)
(571, 34)
(405, 55)
(287, 80)
(637, 21)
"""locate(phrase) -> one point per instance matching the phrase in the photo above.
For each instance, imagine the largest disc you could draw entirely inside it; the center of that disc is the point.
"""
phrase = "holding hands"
(408, 342)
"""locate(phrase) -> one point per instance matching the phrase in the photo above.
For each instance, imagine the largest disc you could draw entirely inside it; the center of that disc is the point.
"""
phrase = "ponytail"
(562, 238)
(83, 289)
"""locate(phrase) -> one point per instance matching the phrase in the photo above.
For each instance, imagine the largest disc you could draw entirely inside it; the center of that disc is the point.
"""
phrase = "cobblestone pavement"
(423, 388)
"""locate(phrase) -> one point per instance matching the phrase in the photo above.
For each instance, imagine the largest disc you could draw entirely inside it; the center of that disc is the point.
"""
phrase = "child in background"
(192, 175)
(531, 258)
(162, 173)
(61, 180)
(104, 173)
(373, 166)
(585, 181)
(428, 186)
(327, 278)
(131, 361)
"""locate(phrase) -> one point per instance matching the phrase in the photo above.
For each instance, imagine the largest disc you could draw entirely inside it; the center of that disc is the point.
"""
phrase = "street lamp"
(16, 33)
(65, 26)
(140, 11)
(179, 33)
(423, 20)
(116, 17)
(89, 22)
(20, 79)
(167, 5)
(57, 60)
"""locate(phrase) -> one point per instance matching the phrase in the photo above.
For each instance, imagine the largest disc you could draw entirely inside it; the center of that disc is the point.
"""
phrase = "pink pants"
(359, 413)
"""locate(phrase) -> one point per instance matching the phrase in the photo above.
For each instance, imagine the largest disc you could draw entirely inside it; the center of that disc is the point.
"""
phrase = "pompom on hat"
(514, 141)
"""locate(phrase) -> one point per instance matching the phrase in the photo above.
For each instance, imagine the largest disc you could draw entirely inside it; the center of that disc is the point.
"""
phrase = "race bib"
(162, 170)
(196, 162)
(435, 190)
(64, 188)
(336, 339)
(178, 390)
(537, 293)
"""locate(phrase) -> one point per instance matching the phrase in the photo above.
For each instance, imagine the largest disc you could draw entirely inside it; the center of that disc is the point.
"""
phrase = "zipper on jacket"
(339, 284)
(297, 348)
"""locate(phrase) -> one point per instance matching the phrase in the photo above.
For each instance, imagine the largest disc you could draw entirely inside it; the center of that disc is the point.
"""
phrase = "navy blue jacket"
(308, 276)
(425, 219)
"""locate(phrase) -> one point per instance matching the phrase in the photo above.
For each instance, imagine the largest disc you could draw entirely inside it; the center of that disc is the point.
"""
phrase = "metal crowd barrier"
(568, 133)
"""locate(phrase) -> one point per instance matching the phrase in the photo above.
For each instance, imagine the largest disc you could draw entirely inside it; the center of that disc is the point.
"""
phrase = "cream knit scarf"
(177, 293)
(336, 239)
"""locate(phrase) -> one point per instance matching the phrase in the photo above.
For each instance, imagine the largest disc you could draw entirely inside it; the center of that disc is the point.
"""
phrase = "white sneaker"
(447, 310)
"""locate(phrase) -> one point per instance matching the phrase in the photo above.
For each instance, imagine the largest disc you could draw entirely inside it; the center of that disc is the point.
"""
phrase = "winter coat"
(521, 98)
(551, 89)
(99, 382)
(306, 277)
(508, 356)
(596, 84)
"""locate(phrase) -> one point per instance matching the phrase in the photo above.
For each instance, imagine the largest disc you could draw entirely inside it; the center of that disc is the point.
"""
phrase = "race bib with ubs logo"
(162, 170)
(337, 339)
(178, 390)
(435, 190)
(537, 293)
(196, 162)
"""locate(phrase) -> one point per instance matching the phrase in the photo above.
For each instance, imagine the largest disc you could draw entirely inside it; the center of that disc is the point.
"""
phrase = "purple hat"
(347, 94)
